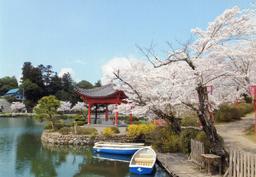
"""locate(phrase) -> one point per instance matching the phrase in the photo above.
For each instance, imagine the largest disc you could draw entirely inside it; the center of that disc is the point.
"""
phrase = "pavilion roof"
(101, 92)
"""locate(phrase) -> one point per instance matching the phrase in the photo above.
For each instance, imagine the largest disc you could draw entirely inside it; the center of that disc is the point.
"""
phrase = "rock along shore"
(71, 139)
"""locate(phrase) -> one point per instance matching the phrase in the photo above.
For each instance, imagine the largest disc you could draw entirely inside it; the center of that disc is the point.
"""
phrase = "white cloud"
(66, 70)
(79, 61)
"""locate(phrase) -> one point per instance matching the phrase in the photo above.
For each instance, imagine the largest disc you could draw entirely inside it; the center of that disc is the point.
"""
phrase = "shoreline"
(14, 115)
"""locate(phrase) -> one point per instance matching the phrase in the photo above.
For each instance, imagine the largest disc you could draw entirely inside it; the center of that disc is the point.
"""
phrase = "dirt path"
(233, 134)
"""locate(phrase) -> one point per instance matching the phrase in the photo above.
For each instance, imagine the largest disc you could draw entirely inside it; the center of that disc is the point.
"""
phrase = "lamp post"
(253, 94)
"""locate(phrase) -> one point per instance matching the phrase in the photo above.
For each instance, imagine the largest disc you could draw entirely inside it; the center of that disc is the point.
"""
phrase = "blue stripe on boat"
(141, 170)
(116, 151)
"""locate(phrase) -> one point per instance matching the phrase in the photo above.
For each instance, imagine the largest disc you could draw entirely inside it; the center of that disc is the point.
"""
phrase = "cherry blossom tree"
(184, 75)
(65, 106)
(206, 60)
(18, 107)
(79, 107)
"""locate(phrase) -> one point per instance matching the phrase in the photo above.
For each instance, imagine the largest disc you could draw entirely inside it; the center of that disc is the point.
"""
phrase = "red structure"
(253, 94)
(104, 95)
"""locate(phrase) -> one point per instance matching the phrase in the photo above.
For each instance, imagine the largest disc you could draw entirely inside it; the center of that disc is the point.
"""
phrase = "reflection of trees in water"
(30, 153)
(99, 167)
(91, 166)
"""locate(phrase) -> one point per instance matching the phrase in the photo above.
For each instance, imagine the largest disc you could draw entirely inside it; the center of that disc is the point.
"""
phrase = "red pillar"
(89, 114)
(254, 101)
(106, 113)
(130, 118)
(116, 117)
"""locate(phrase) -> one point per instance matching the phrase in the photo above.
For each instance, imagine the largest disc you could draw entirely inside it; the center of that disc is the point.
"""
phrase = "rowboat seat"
(143, 159)
(145, 156)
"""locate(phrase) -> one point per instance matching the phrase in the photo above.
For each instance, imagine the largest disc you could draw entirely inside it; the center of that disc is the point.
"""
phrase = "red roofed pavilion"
(104, 95)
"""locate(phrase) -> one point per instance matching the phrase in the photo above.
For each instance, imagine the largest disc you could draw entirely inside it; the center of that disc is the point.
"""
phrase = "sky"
(79, 36)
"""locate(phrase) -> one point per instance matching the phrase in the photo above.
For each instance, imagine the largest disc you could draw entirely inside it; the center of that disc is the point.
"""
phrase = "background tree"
(7, 83)
(84, 84)
(97, 84)
(46, 109)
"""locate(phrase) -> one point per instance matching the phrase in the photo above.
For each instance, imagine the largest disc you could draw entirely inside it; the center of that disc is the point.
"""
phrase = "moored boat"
(143, 161)
(117, 148)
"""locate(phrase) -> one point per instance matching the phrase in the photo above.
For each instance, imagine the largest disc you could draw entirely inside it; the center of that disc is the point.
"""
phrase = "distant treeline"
(39, 81)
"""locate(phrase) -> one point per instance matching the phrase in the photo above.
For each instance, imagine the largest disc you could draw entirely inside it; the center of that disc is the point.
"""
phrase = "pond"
(23, 154)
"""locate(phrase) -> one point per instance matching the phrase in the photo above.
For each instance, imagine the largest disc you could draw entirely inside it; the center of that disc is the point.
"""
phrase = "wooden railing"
(197, 148)
(241, 164)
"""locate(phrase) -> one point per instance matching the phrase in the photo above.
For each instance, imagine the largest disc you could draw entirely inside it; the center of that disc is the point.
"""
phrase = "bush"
(192, 120)
(185, 138)
(110, 131)
(164, 140)
(232, 112)
(57, 125)
(201, 136)
(86, 131)
(245, 108)
(64, 130)
(140, 130)
(227, 113)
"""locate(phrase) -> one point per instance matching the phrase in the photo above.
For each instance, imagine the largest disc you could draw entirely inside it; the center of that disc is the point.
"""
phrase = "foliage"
(164, 140)
(86, 131)
(47, 109)
(185, 138)
(110, 131)
(201, 136)
(245, 108)
(84, 84)
(7, 83)
(64, 130)
(39, 81)
(10, 99)
(140, 130)
(190, 120)
(232, 112)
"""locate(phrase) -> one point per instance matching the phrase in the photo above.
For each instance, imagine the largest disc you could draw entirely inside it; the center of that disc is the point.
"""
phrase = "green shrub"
(232, 112)
(86, 131)
(190, 121)
(64, 130)
(250, 130)
(201, 136)
(110, 131)
(140, 130)
(58, 124)
(164, 140)
(80, 123)
(245, 108)
(185, 138)
(227, 113)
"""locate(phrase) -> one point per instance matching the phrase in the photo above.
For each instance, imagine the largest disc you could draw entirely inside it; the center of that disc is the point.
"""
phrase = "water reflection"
(22, 154)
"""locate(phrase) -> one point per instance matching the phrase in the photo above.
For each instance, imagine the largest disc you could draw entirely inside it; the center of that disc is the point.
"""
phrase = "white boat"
(117, 148)
(143, 161)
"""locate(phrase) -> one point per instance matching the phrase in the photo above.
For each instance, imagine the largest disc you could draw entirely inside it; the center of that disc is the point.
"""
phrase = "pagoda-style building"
(104, 95)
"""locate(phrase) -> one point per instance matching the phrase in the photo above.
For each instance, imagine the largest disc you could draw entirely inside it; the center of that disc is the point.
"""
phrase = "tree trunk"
(217, 147)
(171, 119)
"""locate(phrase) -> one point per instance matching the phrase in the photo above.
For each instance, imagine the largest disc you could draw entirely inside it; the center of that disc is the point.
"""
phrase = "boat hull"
(141, 170)
(115, 151)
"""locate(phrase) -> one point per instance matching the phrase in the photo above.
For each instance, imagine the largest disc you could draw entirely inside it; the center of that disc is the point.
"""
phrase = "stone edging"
(70, 139)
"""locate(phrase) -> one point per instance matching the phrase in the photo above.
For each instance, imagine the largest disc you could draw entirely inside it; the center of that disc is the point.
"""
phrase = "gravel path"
(234, 135)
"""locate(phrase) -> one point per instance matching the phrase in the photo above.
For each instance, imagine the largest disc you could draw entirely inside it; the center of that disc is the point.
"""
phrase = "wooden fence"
(241, 164)
(197, 148)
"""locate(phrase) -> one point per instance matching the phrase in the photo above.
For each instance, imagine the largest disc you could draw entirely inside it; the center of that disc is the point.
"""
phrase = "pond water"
(23, 154)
